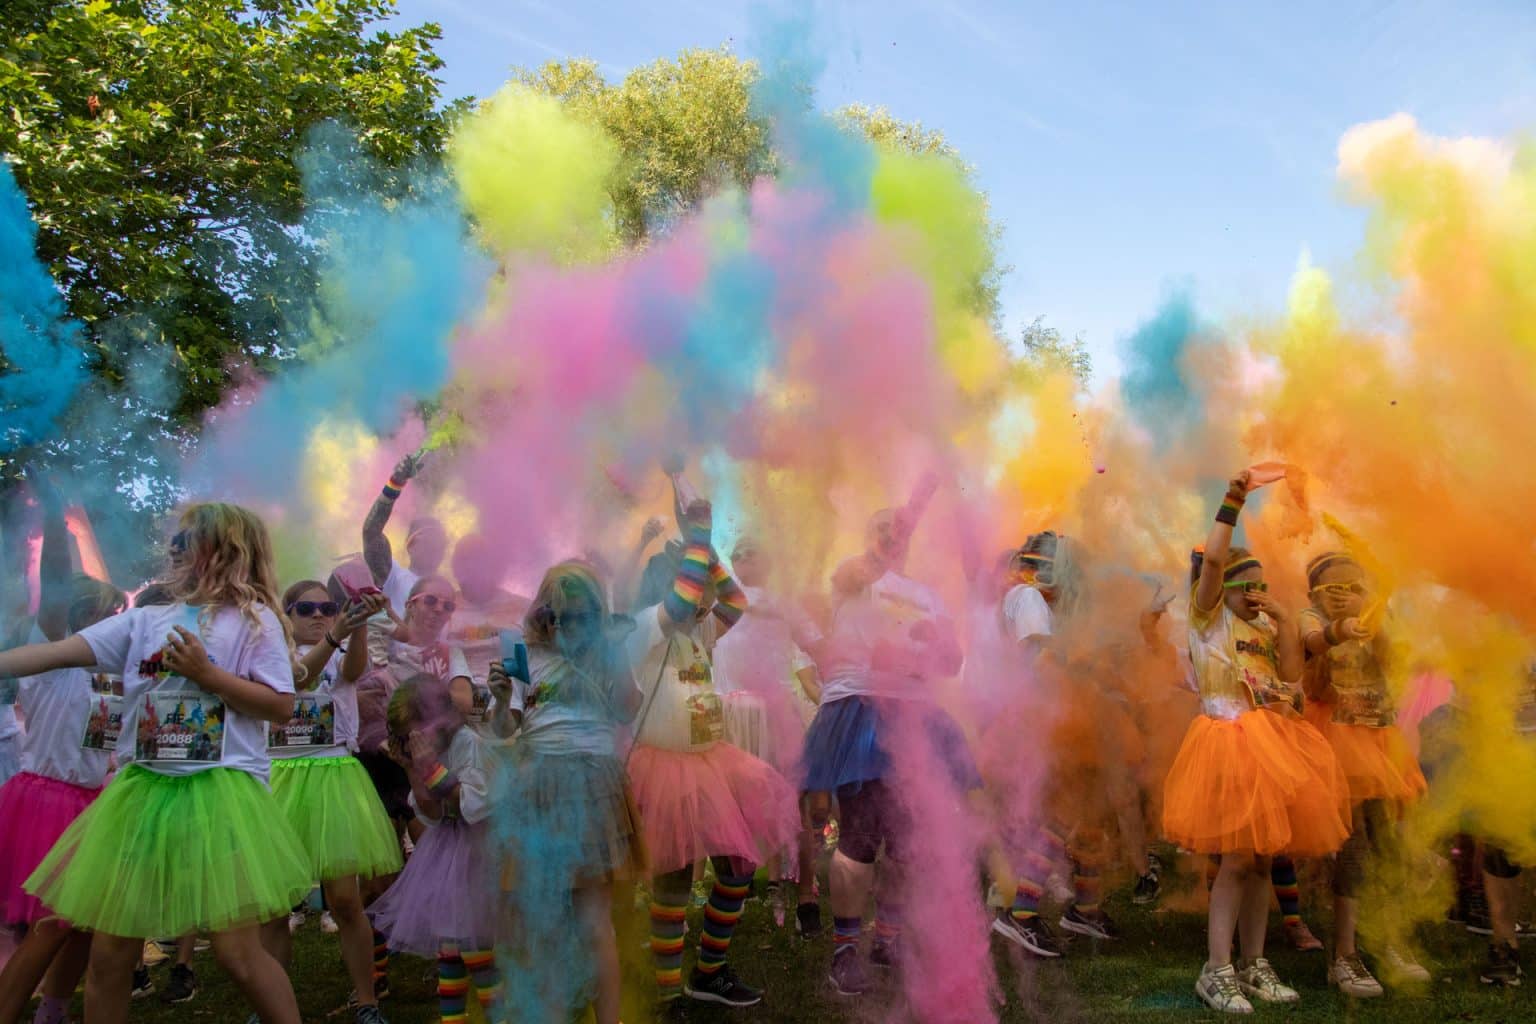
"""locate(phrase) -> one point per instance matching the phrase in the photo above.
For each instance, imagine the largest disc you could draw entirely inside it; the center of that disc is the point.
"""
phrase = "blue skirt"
(843, 748)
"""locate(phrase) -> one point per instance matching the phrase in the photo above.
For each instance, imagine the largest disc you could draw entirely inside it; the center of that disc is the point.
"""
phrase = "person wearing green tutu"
(323, 789)
(174, 845)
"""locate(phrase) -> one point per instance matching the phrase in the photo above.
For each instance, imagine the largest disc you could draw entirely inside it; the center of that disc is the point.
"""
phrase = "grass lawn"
(1148, 976)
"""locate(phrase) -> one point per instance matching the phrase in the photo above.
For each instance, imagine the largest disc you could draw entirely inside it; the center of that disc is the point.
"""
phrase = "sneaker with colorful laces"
(1258, 980)
(1400, 967)
(1217, 988)
(1350, 976)
(1301, 938)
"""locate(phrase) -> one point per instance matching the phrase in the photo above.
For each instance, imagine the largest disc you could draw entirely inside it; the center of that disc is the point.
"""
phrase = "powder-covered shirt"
(680, 709)
(759, 651)
(568, 710)
(131, 643)
(885, 613)
(1026, 613)
(1236, 662)
(58, 707)
(472, 759)
(1359, 685)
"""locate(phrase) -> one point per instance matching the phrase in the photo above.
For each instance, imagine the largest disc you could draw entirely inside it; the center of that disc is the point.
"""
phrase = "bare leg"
(850, 882)
(109, 978)
(68, 967)
(27, 965)
(1227, 893)
(1253, 920)
(594, 910)
(355, 932)
(260, 977)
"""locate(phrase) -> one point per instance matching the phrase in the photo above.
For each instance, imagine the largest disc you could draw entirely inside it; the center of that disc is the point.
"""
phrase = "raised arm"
(376, 549)
(53, 566)
(626, 578)
(1219, 543)
(680, 606)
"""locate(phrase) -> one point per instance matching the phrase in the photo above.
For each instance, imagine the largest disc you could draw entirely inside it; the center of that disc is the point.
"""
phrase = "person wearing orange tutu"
(1348, 701)
(1252, 778)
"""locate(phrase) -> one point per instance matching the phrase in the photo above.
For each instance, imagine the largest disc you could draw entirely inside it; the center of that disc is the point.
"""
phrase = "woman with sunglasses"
(567, 824)
(1348, 701)
(1252, 778)
(322, 788)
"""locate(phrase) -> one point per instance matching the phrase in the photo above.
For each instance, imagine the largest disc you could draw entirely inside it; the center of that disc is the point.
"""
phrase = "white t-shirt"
(473, 760)
(886, 613)
(681, 709)
(759, 652)
(1026, 613)
(57, 706)
(130, 643)
(397, 586)
(441, 660)
(10, 727)
(565, 712)
(343, 701)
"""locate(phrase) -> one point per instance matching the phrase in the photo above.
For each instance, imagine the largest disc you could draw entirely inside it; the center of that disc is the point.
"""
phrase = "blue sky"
(1127, 147)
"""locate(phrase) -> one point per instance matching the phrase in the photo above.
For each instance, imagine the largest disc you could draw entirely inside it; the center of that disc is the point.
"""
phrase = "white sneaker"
(1399, 966)
(295, 921)
(1217, 987)
(1349, 975)
(328, 923)
(1259, 981)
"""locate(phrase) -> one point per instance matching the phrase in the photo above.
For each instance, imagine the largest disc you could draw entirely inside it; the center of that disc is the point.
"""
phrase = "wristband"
(1230, 508)
(336, 644)
(391, 492)
(440, 781)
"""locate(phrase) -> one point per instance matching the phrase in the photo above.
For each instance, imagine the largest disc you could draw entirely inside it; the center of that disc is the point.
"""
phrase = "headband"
(1317, 565)
(1241, 565)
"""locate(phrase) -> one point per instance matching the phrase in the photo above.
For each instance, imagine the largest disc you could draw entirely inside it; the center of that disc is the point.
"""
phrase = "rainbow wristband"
(440, 781)
(1230, 509)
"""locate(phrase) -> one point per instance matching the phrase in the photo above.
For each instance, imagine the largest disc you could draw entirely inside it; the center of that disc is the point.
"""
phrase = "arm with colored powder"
(681, 603)
(730, 599)
(53, 566)
(1208, 589)
(376, 550)
(434, 788)
(626, 578)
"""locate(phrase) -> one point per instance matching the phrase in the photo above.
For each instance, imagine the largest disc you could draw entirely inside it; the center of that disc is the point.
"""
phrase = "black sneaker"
(1502, 966)
(182, 987)
(1032, 933)
(886, 955)
(1096, 925)
(848, 976)
(808, 919)
(721, 987)
(142, 985)
(1147, 888)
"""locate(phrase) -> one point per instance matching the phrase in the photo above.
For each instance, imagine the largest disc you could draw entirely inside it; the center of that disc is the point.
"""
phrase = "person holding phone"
(567, 824)
(324, 790)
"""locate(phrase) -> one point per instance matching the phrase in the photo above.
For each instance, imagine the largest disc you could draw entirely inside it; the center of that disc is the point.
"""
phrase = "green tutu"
(331, 804)
(167, 855)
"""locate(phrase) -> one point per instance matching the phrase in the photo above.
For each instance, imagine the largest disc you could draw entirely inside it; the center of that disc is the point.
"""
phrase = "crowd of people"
(467, 774)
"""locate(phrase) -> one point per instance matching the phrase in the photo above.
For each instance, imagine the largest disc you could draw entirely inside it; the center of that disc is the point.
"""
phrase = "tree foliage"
(1046, 351)
(156, 141)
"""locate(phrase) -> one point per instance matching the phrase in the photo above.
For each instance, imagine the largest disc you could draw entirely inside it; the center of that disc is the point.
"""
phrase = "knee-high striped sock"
(1042, 855)
(380, 955)
(483, 971)
(1085, 886)
(887, 922)
(669, 915)
(845, 934)
(452, 985)
(720, 917)
(1282, 875)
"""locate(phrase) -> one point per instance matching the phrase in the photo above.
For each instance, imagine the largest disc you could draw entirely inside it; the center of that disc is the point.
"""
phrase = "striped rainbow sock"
(669, 915)
(452, 985)
(481, 964)
(720, 917)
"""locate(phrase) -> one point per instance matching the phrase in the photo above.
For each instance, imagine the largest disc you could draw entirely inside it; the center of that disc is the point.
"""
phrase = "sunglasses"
(576, 620)
(1246, 586)
(1340, 589)
(433, 601)
(306, 609)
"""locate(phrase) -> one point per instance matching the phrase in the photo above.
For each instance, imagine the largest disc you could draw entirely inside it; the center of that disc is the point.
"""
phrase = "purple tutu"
(447, 893)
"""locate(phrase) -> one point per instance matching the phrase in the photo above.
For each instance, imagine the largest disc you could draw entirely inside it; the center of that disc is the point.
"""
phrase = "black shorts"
(391, 783)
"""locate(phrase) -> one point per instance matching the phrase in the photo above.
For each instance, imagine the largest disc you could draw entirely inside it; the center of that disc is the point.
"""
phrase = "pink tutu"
(720, 802)
(36, 811)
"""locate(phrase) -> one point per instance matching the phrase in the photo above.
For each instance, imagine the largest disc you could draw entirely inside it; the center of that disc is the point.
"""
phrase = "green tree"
(686, 127)
(156, 142)
(1046, 351)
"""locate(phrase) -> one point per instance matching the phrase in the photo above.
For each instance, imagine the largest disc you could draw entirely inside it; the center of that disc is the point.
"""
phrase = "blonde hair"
(228, 561)
(562, 586)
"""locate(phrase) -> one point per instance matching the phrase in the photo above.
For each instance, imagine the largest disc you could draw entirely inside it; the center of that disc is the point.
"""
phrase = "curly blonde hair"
(228, 561)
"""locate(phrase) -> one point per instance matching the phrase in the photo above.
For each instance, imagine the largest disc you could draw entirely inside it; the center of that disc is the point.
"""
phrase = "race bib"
(706, 719)
(311, 726)
(184, 725)
(104, 725)
(480, 707)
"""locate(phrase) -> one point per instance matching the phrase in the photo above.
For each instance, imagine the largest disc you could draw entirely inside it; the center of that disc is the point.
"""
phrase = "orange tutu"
(1377, 761)
(1263, 784)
